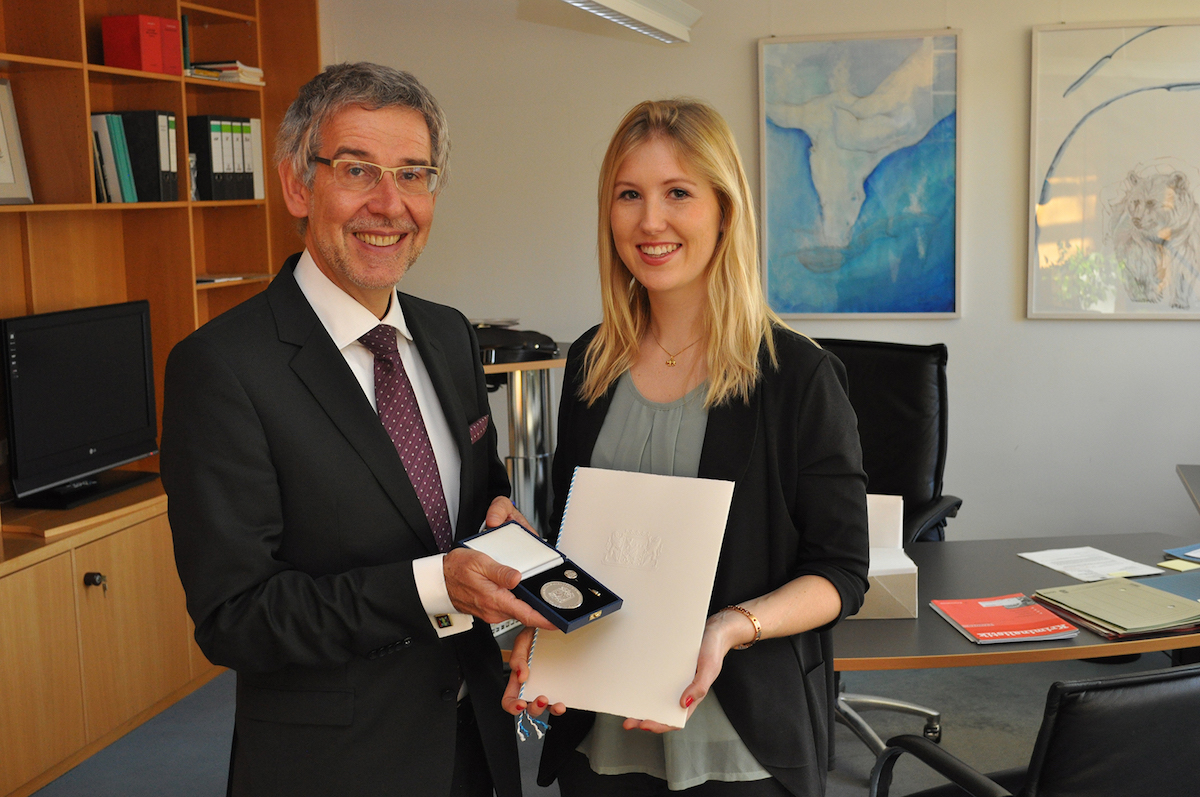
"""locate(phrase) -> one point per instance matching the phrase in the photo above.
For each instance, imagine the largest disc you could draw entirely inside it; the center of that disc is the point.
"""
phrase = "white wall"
(1056, 427)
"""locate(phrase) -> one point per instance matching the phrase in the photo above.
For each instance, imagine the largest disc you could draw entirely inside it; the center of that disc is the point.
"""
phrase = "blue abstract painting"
(860, 175)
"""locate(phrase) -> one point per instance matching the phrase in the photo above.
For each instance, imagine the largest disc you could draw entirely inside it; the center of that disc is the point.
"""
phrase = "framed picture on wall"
(14, 179)
(859, 139)
(1114, 175)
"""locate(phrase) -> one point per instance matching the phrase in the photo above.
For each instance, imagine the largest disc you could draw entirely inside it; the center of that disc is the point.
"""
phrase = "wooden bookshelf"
(66, 251)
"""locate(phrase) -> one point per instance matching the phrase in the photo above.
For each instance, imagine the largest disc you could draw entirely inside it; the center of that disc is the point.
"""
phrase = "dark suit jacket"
(799, 507)
(295, 527)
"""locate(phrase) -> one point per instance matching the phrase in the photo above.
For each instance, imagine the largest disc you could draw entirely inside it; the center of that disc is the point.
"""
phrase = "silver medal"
(561, 595)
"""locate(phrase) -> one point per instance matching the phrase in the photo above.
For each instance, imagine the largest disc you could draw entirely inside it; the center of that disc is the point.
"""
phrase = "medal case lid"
(515, 546)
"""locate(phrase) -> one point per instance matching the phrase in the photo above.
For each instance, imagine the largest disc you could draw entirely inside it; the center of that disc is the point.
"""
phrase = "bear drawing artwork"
(1155, 235)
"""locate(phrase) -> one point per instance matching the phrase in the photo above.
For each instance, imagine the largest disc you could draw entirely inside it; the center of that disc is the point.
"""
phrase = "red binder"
(172, 47)
(133, 41)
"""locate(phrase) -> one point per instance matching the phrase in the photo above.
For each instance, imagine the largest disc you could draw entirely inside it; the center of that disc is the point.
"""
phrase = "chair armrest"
(953, 769)
(927, 523)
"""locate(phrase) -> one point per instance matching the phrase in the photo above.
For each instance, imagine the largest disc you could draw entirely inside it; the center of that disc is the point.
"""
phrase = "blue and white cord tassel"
(526, 722)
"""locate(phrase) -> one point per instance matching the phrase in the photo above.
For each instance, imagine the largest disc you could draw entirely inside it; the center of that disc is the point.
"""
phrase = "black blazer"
(799, 507)
(295, 527)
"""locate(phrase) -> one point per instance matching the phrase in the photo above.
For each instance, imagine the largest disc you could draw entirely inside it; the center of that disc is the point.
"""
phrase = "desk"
(530, 435)
(1190, 475)
(981, 569)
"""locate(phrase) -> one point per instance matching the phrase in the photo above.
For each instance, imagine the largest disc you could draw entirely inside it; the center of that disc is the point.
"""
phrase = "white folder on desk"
(654, 541)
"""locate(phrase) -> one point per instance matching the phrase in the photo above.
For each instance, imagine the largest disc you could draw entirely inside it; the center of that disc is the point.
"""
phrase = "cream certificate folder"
(655, 541)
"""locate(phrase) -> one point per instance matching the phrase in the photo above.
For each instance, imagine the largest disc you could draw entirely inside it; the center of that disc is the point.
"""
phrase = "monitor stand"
(85, 489)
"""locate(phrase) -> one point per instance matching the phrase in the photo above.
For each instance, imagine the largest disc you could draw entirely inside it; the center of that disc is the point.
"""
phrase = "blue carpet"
(182, 752)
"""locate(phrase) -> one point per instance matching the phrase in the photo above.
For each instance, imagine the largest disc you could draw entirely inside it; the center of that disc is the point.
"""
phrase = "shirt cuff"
(431, 588)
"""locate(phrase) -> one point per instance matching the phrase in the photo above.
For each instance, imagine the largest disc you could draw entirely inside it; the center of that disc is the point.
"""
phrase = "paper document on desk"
(1089, 564)
(655, 541)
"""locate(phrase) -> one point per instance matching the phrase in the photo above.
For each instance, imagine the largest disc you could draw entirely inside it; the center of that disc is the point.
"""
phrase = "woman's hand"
(722, 632)
(518, 660)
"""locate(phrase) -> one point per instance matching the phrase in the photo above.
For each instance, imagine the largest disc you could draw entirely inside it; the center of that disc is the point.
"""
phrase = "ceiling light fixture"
(668, 21)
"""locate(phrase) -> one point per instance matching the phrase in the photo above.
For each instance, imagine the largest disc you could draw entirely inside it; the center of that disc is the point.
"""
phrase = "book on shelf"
(229, 157)
(204, 140)
(172, 47)
(98, 170)
(240, 177)
(108, 159)
(205, 74)
(233, 71)
(1004, 618)
(148, 136)
(133, 41)
(143, 42)
(1121, 608)
(116, 129)
(185, 46)
(114, 158)
(256, 156)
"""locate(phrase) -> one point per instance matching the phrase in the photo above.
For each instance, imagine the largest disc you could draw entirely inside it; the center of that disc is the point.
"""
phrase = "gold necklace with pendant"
(671, 362)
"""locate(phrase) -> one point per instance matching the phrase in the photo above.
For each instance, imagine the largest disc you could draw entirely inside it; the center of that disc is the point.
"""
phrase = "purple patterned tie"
(401, 417)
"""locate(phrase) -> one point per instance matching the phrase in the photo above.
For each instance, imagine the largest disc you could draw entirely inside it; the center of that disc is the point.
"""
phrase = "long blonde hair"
(736, 317)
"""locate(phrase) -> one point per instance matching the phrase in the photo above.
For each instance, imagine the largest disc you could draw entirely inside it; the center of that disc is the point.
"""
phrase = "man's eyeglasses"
(363, 176)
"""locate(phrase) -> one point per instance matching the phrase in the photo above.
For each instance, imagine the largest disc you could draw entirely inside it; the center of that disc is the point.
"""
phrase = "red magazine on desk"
(1005, 618)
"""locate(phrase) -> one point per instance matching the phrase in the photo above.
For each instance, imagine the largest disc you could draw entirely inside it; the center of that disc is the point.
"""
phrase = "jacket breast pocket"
(290, 707)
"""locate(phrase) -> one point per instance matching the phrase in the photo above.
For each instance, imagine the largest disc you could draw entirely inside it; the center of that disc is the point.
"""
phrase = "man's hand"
(479, 585)
(502, 511)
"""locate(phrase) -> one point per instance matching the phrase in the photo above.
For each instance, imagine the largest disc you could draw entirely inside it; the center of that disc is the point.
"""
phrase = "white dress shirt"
(346, 321)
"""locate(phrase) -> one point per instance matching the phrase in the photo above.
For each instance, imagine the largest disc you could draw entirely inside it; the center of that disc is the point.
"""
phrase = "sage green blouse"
(665, 439)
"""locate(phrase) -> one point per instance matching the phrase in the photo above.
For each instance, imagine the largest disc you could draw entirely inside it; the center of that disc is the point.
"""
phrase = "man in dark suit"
(322, 444)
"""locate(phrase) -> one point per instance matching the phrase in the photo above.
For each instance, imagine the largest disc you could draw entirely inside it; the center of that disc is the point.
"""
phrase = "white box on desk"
(893, 576)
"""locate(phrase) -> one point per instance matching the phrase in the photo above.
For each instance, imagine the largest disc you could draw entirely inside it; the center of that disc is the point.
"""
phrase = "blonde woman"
(691, 374)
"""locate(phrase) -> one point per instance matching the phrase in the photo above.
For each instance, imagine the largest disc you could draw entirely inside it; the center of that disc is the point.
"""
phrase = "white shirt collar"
(343, 317)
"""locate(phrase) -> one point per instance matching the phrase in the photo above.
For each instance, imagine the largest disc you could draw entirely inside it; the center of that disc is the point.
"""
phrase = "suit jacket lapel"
(437, 363)
(323, 370)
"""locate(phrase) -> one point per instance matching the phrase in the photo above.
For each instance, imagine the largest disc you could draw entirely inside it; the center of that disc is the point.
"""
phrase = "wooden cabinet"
(41, 699)
(67, 250)
(81, 662)
(133, 629)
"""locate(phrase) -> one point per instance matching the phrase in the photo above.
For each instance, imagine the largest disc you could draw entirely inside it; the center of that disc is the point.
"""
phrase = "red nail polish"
(688, 703)
(542, 703)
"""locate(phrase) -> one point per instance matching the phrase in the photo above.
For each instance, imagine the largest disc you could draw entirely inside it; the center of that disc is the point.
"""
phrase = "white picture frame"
(1114, 175)
(14, 177)
(868, 227)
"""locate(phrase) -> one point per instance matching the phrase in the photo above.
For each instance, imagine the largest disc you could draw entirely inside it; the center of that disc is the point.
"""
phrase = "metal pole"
(530, 444)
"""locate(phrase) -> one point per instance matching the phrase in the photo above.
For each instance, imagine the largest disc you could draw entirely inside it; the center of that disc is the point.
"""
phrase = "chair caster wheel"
(933, 733)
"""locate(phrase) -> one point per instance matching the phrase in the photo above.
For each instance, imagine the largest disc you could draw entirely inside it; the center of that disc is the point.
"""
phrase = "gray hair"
(371, 86)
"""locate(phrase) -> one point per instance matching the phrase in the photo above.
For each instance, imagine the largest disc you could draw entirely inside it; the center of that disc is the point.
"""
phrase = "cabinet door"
(133, 630)
(41, 702)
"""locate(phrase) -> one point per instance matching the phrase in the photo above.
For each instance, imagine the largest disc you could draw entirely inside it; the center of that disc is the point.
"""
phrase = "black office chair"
(898, 392)
(1108, 737)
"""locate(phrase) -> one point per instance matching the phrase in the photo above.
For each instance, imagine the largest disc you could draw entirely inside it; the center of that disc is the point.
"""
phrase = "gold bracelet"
(752, 619)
